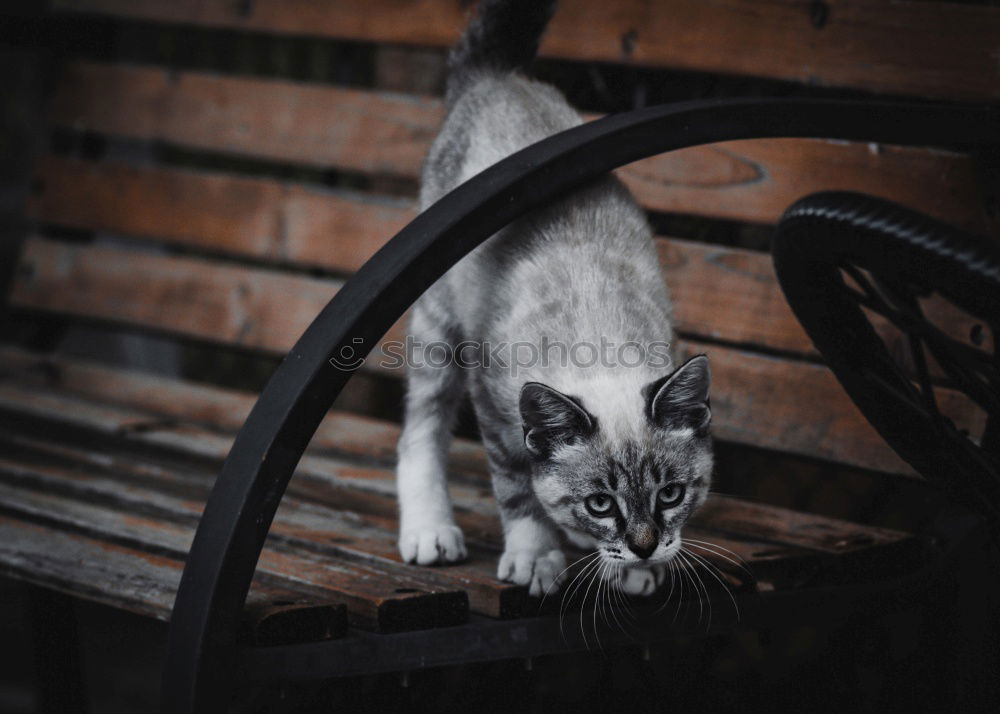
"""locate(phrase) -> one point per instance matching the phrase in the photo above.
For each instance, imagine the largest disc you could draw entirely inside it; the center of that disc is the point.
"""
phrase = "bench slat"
(255, 309)
(363, 543)
(726, 515)
(120, 577)
(774, 560)
(262, 218)
(336, 484)
(166, 399)
(714, 289)
(375, 598)
(931, 49)
(146, 583)
(382, 133)
(266, 310)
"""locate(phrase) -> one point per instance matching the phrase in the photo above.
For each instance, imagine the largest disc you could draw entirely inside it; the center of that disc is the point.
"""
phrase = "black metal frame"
(489, 640)
(894, 257)
(202, 656)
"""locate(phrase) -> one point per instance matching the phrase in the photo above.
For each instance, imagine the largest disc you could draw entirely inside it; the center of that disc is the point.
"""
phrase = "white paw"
(431, 544)
(643, 581)
(539, 570)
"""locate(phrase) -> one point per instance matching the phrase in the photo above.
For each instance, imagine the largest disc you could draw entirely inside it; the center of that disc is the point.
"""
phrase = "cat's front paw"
(539, 570)
(429, 544)
(643, 581)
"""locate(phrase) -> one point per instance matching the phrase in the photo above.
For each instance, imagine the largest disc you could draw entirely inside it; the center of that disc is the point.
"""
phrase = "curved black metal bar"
(906, 255)
(903, 584)
(239, 511)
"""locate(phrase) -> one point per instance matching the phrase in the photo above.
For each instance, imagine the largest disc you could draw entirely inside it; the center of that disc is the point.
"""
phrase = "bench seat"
(104, 474)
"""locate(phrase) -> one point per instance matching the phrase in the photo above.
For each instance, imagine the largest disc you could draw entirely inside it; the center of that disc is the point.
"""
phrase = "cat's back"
(497, 116)
(589, 254)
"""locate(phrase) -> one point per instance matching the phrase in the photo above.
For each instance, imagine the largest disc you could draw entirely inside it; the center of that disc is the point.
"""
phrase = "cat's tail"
(502, 36)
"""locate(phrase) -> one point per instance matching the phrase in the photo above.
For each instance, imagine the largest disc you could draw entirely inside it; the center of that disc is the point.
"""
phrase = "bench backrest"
(245, 256)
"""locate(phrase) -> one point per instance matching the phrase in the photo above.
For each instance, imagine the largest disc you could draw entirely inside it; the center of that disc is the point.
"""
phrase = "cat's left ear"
(551, 419)
(680, 400)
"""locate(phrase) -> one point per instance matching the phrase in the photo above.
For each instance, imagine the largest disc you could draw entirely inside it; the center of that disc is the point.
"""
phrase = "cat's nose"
(643, 551)
(644, 542)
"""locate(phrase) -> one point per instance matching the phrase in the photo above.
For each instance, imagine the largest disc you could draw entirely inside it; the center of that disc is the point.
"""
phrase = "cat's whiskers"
(666, 601)
(598, 603)
(686, 570)
(572, 589)
(555, 583)
(618, 599)
(714, 571)
(583, 605)
(721, 551)
(699, 586)
(623, 601)
(680, 589)
(574, 583)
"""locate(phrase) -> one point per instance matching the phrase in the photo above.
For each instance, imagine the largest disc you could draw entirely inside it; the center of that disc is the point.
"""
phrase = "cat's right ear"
(680, 400)
(550, 419)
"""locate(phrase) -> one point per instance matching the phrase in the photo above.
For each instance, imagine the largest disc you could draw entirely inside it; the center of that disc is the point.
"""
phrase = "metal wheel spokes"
(933, 360)
(904, 309)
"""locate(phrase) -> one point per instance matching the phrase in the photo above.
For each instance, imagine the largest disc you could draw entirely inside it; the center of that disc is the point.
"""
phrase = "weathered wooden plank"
(725, 294)
(157, 438)
(382, 600)
(261, 218)
(390, 133)
(116, 576)
(756, 180)
(152, 441)
(366, 541)
(799, 408)
(265, 310)
(773, 560)
(338, 534)
(727, 514)
(268, 220)
(724, 514)
(146, 583)
(931, 49)
(224, 304)
(205, 404)
(374, 132)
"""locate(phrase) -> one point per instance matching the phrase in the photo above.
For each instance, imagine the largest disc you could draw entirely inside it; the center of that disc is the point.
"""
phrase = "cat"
(609, 457)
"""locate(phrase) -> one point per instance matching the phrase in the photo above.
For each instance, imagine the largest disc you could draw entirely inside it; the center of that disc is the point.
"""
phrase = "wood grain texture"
(145, 583)
(159, 398)
(374, 132)
(383, 133)
(312, 515)
(120, 577)
(250, 308)
(376, 597)
(326, 553)
(265, 310)
(255, 217)
(715, 289)
(930, 49)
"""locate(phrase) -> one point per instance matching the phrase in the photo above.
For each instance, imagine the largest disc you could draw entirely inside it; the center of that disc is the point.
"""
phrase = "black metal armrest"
(895, 258)
(239, 511)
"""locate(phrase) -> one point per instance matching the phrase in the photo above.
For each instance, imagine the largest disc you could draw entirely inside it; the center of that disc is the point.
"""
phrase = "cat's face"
(627, 494)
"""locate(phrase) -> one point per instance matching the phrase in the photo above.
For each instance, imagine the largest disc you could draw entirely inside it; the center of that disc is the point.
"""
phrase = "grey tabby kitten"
(612, 457)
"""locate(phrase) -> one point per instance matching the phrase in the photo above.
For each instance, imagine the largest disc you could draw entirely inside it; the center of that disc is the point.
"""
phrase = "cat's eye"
(600, 504)
(670, 496)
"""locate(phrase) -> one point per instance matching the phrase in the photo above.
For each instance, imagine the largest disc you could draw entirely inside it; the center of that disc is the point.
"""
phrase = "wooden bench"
(222, 210)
